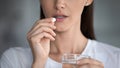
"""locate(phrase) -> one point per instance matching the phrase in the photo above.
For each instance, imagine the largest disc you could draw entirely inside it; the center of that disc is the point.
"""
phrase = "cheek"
(46, 12)
(76, 11)
(47, 9)
(77, 6)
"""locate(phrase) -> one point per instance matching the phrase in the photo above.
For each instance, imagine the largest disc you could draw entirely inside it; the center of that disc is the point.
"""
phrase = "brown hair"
(86, 21)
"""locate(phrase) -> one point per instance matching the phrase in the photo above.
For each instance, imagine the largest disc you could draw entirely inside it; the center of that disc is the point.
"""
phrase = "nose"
(60, 4)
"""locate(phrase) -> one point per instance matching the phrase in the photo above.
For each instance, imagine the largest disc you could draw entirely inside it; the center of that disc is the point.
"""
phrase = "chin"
(61, 30)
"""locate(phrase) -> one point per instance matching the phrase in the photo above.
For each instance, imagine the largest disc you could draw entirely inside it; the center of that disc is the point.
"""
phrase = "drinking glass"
(70, 60)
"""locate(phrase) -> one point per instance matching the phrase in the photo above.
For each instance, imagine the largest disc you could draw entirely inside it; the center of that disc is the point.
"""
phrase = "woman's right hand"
(39, 38)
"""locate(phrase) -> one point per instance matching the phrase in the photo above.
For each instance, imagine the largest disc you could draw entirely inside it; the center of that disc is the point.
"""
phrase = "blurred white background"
(17, 17)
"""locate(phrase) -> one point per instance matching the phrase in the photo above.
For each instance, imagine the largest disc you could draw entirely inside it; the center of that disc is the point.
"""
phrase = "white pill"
(53, 19)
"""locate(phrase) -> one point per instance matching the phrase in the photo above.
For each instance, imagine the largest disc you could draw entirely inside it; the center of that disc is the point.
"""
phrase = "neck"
(68, 42)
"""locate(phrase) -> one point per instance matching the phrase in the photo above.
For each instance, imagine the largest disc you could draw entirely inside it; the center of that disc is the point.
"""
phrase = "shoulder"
(17, 51)
(16, 56)
(108, 54)
(105, 47)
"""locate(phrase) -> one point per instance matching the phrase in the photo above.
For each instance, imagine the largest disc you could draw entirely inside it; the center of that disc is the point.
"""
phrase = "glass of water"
(70, 60)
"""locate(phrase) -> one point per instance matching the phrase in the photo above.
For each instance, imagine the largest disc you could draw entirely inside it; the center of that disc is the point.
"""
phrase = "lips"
(60, 17)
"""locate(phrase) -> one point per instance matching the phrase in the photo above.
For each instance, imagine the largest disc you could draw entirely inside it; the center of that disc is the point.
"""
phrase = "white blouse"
(19, 57)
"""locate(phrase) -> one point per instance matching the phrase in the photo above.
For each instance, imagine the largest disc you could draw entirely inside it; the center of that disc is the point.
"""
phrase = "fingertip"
(53, 39)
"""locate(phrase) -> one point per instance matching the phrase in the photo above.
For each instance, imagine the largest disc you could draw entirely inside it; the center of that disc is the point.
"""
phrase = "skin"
(49, 39)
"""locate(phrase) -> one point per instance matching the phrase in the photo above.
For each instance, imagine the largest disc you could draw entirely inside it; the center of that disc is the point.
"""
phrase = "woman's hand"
(39, 38)
(89, 63)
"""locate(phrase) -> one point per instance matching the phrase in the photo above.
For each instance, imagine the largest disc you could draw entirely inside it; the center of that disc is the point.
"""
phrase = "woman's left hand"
(89, 63)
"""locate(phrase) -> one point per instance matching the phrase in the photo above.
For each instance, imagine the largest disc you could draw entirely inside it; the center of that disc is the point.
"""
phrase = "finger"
(89, 61)
(48, 21)
(42, 25)
(44, 29)
(37, 38)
